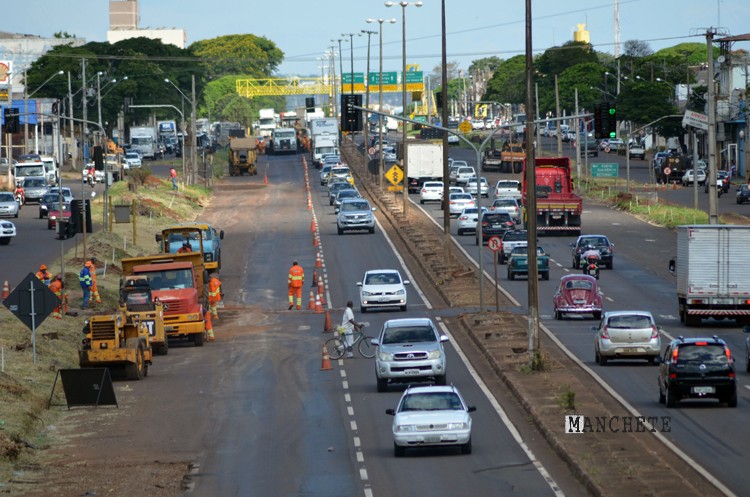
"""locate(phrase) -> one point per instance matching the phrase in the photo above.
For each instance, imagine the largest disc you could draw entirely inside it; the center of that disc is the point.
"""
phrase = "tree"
(636, 49)
(556, 59)
(436, 76)
(508, 83)
(253, 56)
(645, 102)
(586, 78)
(487, 64)
(220, 97)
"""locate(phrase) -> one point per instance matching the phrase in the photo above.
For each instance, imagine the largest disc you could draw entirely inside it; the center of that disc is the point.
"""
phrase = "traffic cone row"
(318, 261)
(6, 290)
(314, 228)
(321, 291)
(315, 240)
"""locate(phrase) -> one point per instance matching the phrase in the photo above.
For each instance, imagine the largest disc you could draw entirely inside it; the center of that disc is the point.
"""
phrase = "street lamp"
(367, 94)
(182, 136)
(405, 154)
(26, 98)
(351, 57)
(380, 21)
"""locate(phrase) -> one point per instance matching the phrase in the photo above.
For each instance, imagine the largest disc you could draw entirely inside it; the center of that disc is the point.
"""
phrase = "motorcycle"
(591, 266)
(20, 198)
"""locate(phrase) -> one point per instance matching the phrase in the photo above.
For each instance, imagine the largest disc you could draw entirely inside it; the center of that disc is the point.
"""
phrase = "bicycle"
(336, 346)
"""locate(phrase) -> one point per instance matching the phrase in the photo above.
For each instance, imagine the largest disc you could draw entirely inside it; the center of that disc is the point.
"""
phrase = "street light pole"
(26, 97)
(351, 58)
(380, 21)
(405, 155)
(367, 94)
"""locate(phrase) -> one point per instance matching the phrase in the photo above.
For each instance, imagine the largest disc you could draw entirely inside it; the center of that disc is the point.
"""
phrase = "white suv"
(409, 350)
(355, 214)
(464, 174)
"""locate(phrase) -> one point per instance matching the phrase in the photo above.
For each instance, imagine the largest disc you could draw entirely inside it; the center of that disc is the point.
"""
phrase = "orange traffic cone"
(311, 305)
(315, 241)
(321, 291)
(318, 261)
(6, 290)
(309, 203)
(327, 325)
(326, 364)
(313, 226)
(265, 179)
(674, 185)
(314, 279)
(318, 306)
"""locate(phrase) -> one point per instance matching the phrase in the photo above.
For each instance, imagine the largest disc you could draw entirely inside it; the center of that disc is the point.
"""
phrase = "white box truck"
(143, 139)
(267, 122)
(425, 163)
(711, 270)
(324, 134)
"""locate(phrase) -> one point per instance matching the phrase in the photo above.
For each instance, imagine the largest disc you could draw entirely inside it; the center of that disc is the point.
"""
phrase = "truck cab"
(284, 141)
(202, 237)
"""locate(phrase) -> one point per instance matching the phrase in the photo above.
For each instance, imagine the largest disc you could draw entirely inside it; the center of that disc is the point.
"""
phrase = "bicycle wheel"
(335, 348)
(366, 348)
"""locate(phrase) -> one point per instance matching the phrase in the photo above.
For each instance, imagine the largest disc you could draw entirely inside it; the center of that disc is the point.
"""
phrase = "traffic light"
(598, 122)
(12, 120)
(351, 118)
(98, 158)
(310, 104)
(611, 130)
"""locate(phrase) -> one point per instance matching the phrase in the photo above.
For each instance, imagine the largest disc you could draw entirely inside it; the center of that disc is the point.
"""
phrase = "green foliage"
(555, 60)
(508, 82)
(644, 102)
(567, 399)
(253, 56)
(586, 78)
(222, 102)
(485, 64)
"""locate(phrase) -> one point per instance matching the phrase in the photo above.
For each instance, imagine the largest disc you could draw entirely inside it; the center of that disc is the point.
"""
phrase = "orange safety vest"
(56, 287)
(184, 250)
(296, 276)
(214, 286)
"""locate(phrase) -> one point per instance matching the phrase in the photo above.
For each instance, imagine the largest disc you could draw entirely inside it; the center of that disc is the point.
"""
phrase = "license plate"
(411, 372)
(703, 390)
(432, 439)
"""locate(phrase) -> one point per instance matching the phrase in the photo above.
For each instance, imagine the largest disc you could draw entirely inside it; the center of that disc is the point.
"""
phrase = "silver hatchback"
(627, 335)
(409, 351)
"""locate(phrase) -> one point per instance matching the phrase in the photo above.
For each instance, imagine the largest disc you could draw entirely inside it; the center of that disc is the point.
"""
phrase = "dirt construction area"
(82, 453)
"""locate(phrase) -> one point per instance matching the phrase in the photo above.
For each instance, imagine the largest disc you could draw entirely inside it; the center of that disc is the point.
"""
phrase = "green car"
(518, 263)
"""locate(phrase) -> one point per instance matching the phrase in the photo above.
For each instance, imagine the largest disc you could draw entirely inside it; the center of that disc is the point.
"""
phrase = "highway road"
(710, 434)
(284, 427)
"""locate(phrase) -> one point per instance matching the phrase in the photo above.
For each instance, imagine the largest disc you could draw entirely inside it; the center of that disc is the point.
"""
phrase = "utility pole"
(446, 168)
(193, 131)
(26, 111)
(84, 143)
(71, 127)
(557, 112)
(713, 202)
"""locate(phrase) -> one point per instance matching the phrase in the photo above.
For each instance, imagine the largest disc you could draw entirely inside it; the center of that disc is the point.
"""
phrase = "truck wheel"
(198, 339)
(163, 349)
(691, 320)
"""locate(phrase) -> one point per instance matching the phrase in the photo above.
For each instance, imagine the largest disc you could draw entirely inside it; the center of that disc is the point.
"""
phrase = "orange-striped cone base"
(318, 305)
(311, 305)
(327, 325)
(318, 261)
(6, 290)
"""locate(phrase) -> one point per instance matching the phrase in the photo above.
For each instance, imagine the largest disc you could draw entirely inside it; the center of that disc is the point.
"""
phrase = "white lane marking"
(357, 442)
(353, 427)
(350, 410)
(747, 386)
(347, 398)
(503, 416)
(403, 266)
(609, 298)
(342, 372)
(303, 327)
(345, 384)
(363, 474)
(360, 456)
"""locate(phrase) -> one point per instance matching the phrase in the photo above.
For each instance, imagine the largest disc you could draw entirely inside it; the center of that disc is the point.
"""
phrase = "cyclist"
(348, 325)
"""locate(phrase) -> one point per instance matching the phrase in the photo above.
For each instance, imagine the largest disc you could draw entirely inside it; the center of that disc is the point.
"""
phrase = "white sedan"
(7, 231)
(467, 220)
(431, 416)
(484, 187)
(431, 191)
(459, 201)
(382, 288)
(132, 160)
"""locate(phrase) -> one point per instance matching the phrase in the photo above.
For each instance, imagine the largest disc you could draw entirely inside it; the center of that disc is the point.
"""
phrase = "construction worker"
(214, 293)
(91, 263)
(44, 275)
(209, 326)
(295, 282)
(84, 278)
(185, 248)
(57, 288)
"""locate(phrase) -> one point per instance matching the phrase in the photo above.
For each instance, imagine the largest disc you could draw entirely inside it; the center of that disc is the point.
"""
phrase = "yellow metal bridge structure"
(275, 87)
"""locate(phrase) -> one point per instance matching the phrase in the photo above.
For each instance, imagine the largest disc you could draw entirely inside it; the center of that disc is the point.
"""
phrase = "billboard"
(6, 66)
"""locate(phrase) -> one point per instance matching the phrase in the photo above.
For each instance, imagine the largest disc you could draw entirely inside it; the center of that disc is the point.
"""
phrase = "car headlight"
(385, 356)
(400, 292)
(435, 354)
(457, 426)
(365, 293)
(406, 428)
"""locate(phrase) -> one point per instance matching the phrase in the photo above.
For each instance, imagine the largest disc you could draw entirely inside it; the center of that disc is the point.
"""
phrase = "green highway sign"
(389, 78)
(346, 78)
(604, 170)
(414, 77)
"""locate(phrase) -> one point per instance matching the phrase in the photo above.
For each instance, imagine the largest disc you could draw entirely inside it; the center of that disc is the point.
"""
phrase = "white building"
(123, 25)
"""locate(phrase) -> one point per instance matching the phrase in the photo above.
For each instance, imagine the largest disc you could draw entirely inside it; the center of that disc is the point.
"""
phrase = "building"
(123, 25)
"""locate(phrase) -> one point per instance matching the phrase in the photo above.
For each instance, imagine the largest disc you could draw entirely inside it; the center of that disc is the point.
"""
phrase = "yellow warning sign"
(394, 175)
(465, 127)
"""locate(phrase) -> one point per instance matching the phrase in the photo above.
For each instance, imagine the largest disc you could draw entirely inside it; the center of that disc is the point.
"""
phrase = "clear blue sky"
(476, 28)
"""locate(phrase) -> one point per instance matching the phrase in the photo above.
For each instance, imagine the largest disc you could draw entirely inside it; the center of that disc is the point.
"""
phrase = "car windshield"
(629, 321)
(504, 203)
(579, 285)
(34, 183)
(326, 168)
(169, 279)
(495, 218)
(131, 155)
(461, 196)
(382, 278)
(409, 334)
(6, 197)
(432, 401)
(524, 251)
(515, 236)
(50, 198)
(507, 184)
(355, 206)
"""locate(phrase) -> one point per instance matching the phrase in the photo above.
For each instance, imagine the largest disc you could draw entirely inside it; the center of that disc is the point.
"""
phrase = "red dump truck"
(558, 209)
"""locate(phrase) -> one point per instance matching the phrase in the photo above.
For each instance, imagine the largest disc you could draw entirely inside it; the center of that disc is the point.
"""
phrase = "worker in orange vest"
(295, 282)
(91, 264)
(44, 275)
(185, 248)
(57, 288)
(214, 294)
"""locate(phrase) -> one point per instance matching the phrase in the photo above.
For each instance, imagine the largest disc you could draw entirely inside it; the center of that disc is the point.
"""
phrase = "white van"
(51, 171)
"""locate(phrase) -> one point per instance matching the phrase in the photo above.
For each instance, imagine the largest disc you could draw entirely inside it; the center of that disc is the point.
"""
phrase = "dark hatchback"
(743, 194)
(598, 242)
(697, 368)
(495, 224)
